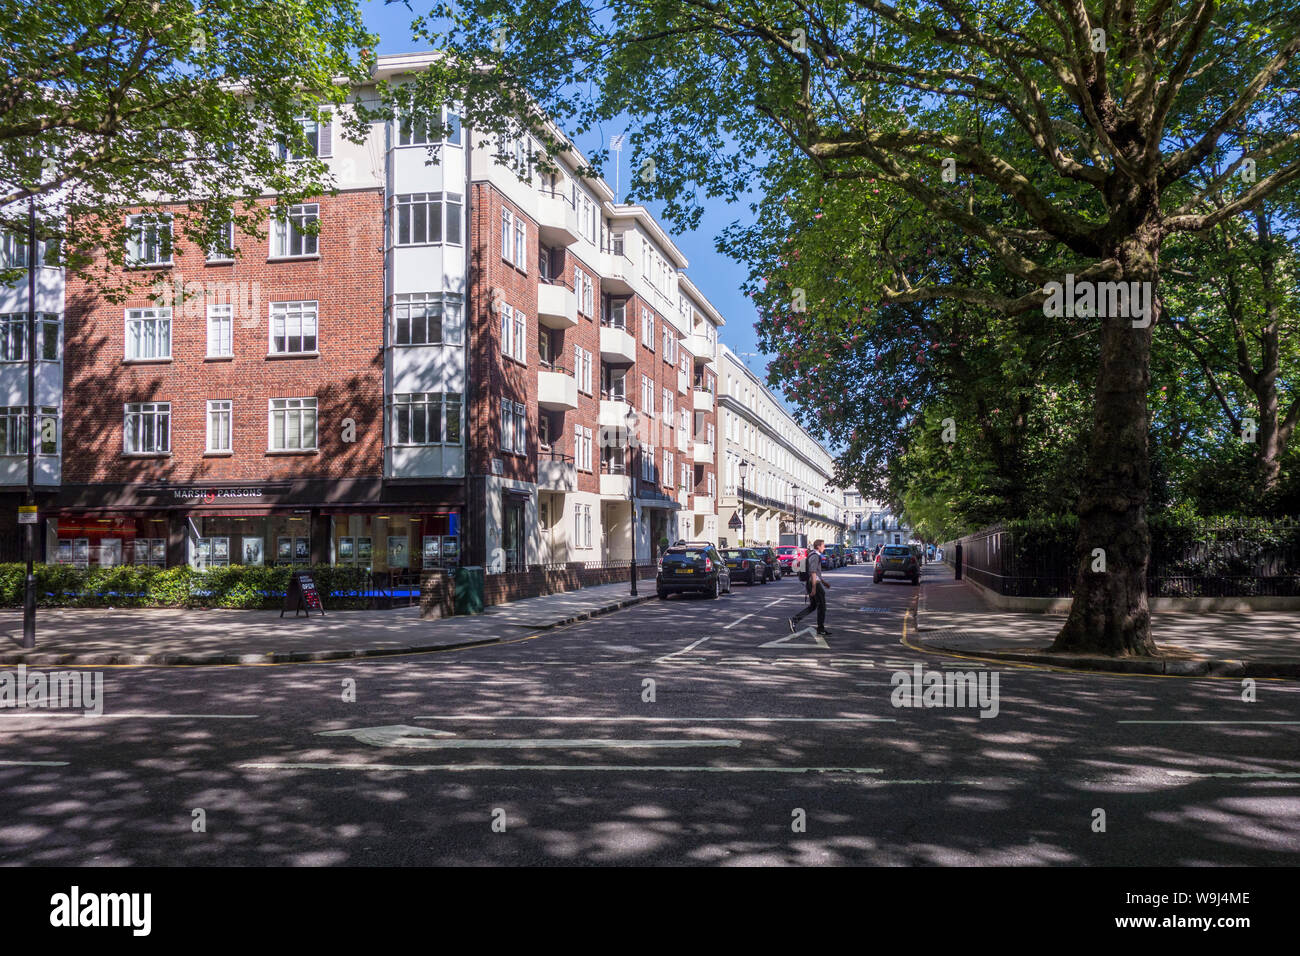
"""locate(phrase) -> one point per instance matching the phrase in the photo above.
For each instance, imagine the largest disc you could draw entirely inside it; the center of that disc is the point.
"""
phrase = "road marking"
(640, 719)
(394, 735)
(600, 768)
(689, 647)
(1248, 775)
(808, 631)
(776, 602)
(55, 713)
(33, 763)
(1287, 722)
(728, 627)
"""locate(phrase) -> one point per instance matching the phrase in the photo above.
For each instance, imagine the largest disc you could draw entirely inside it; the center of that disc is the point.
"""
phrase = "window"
(13, 337)
(648, 329)
(418, 218)
(423, 130)
(13, 430)
(220, 331)
(427, 318)
(670, 463)
(148, 333)
(223, 249)
(685, 482)
(431, 418)
(219, 426)
(712, 484)
(514, 240)
(147, 428)
(13, 250)
(293, 231)
(514, 334)
(582, 369)
(582, 447)
(669, 412)
(293, 328)
(149, 240)
(514, 427)
(582, 526)
(292, 424)
(647, 397)
(647, 463)
(584, 292)
(316, 138)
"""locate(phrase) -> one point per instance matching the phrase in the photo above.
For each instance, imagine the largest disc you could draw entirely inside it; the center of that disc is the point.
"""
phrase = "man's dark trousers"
(816, 601)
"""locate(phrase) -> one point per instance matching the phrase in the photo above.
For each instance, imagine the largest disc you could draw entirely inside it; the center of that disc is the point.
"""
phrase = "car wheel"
(717, 587)
(876, 579)
(916, 580)
(663, 595)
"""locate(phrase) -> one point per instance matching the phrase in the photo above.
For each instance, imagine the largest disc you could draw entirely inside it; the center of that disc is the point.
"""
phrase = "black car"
(773, 562)
(897, 559)
(692, 567)
(745, 564)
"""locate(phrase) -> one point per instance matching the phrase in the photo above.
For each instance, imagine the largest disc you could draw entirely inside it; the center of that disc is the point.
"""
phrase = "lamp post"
(630, 421)
(744, 469)
(29, 535)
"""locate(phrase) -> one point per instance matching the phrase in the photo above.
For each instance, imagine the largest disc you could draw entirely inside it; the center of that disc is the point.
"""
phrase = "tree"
(1123, 106)
(113, 104)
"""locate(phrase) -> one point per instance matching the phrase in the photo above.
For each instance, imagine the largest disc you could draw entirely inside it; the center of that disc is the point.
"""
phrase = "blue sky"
(716, 275)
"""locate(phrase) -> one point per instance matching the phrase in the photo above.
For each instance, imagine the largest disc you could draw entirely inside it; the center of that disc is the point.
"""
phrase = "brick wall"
(346, 378)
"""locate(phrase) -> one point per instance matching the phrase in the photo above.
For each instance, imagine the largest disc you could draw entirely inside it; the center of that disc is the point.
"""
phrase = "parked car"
(836, 551)
(744, 564)
(850, 555)
(899, 559)
(692, 567)
(791, 557)
(773, 563)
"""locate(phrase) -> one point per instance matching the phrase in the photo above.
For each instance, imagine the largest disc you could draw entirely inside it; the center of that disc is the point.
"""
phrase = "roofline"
(644, 216)
(693, 291)
(780, 407)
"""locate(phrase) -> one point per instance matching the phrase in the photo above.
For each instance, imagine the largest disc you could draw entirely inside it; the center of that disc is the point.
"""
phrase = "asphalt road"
(555, 749)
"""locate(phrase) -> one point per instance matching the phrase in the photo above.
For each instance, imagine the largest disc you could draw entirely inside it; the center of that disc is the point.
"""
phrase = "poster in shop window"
(253, 551)
(301, 554)
(364, 551)
(397, 553)
(65, 552)
(345, 551)
(284, 550)
(81, 552)
(431, 550)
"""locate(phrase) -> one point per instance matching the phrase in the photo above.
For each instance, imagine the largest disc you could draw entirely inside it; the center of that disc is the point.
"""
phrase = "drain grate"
(878, 610)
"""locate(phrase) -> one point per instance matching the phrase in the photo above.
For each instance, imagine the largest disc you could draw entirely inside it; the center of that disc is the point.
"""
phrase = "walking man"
(816, 585)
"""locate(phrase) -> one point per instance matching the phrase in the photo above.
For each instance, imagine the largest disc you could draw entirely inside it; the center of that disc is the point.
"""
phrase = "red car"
(791, 557)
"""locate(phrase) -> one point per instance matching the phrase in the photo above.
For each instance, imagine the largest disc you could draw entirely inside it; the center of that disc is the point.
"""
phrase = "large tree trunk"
(1110, 613)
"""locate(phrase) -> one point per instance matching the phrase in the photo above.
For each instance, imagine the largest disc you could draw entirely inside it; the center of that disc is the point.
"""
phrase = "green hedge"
(237, 586)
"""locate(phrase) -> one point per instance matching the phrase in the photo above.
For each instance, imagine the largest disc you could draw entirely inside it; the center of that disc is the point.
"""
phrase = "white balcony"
(703, 400)
(557, 222)
(683, 441)
(700, 348)
(557, 474)
(616, 274)
(704, 505)
(684, 499)
(557, 391)
(557, 307)
(613, 415)
(617, 345)
(702, 453)
(615, 486)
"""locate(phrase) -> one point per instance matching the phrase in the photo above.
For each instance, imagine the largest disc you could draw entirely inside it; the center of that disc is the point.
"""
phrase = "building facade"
(457, 358)
(776, 479)
(873, 523)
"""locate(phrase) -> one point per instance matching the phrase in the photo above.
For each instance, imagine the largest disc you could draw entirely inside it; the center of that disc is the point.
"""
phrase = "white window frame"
(139, 240)
(304, 404)
(448, 306)
(300, 311)
(286, 233)
(449, 418)
(215, 409)
(13, 336)
(159, 317)
(223, 315)
(155, 410)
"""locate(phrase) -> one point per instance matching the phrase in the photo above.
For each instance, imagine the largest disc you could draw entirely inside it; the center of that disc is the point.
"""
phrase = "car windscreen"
(898, 551)
(684, 557)
(734, 553)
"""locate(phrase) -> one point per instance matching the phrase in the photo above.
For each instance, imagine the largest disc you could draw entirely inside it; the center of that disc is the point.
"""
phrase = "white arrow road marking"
(808, 631)
(394, 735)
(727, 627)
(689, 647)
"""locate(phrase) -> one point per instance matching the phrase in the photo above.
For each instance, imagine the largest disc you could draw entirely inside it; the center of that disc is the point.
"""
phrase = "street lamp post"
(630, 420)
(29, 536)
(744, 469)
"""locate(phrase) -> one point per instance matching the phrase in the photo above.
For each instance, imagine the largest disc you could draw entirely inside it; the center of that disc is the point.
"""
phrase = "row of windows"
(13, 337)
(14, 429)
(417, 419)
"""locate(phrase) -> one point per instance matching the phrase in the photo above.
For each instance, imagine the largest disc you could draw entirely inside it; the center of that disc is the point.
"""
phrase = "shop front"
(357, 523)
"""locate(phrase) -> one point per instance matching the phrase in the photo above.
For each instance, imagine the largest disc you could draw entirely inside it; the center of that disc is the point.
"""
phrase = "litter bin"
(468, 588)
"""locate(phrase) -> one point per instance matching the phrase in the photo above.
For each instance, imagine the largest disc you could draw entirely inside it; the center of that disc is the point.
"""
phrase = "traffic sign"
(27, 514)
(734, 523)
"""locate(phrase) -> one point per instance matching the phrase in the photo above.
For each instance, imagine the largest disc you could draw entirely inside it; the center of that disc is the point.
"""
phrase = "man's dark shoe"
(823, 633)
(790, 621)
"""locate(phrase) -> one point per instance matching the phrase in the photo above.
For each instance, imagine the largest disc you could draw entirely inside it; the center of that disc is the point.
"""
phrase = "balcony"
(557, 307)
(557, 222)
(702, 453)
(614, 410)
(556, 472)
(703, 399)
(557, 390)
(616, 273)
(683, 441)
(617, 346)
(704, 504)
(615, 485)
(684, 499)
(701, 348)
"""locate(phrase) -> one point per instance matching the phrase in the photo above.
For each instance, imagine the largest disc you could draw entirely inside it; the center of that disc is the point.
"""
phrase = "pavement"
(102, 636)
(953, 617)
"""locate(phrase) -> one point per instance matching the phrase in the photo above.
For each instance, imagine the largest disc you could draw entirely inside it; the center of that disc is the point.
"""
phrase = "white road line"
(603, 768)
(727, 627)
(1284, 722)
(1249, 775)
(689, 647)
(775, 603)
(638, 719)
(33, 763)
(550, 743)
(55, 713)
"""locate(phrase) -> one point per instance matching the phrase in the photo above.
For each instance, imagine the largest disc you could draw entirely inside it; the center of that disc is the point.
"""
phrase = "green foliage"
(236, 586)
